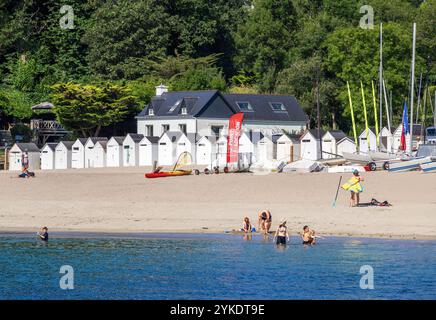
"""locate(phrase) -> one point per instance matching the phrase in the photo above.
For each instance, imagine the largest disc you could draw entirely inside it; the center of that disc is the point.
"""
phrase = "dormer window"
(184, 111)
(277, 106)
(244, 106)
(151, 112)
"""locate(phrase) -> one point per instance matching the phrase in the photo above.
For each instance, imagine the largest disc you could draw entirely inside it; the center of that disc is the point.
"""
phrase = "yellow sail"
(185, 159)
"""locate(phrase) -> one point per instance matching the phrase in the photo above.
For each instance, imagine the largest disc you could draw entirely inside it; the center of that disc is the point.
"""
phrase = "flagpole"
(412, 88)
(381, 79)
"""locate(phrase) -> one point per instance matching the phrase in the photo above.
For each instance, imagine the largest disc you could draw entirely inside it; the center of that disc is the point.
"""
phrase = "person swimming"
(281, 234)
(265, 221)
(43, 235)
(308, 235)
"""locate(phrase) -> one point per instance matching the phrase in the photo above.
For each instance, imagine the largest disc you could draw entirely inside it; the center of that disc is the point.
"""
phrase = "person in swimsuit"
(246, 226)
(355, 189)
(43, 234)
(281, 234)
(265, 221)
(308, 235)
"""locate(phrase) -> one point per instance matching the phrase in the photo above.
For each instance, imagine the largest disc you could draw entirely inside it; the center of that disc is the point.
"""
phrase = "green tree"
(199, 78)
(87, 108)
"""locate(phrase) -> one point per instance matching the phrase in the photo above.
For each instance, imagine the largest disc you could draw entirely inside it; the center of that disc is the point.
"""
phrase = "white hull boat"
(361, 158)
(408, 165)
(382, 156)
(428, 167)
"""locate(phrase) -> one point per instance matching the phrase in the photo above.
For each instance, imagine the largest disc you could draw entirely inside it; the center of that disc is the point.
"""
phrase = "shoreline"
(138, 234)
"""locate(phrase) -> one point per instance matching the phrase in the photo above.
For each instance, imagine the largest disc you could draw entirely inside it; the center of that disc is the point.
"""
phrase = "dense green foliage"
(257, 46)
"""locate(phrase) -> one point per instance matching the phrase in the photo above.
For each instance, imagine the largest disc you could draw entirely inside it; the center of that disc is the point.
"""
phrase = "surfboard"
(353, 185)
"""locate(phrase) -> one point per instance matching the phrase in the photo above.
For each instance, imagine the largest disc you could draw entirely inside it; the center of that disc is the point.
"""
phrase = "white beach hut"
(78, 154)
(63, 155)
(114, 152)
(24, 152)
(310, 145)
(186, 143)
(148, 151)
(396, 141)
(90, 154)
(330, 143)
(267, 148)
(247, 149)
(205, 152)
(346, 144)
(288, 148)
(368, 144)
(220, 157)
(387, 138)
(48, 153)
(168, 147)
(100, 153)
(131, 149)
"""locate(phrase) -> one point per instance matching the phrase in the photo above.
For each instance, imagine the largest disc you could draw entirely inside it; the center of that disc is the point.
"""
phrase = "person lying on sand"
(43, 234)
(308, 235)
(265, 221)
(281, 234)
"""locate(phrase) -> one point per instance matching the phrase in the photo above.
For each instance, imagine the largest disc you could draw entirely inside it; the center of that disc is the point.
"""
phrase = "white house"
(368, 143)
(310, 145)
(168, 147)
(207, 113)
(345, 145)
(63, 155)
(114, 152)
(78, 154)
(206, 150)
(288, 148)
(90, 152)
(24, 153)
(100, 153)
(330, 143)
(148, 151)
(131, 149)
(267, 148)
(186, 143)
(48, 153)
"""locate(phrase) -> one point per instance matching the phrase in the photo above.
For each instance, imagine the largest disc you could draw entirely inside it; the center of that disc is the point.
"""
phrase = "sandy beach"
(122, 200)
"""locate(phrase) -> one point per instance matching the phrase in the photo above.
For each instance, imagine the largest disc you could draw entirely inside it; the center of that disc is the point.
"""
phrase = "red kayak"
(164, 174)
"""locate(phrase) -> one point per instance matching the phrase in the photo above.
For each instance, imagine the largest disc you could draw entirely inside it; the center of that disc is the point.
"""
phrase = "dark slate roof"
(68, 144)
(82, 140)
(194, 101)
(337, 134)
(28, 147)
(198, 101)
(314, 132)
(136, 137)
(153, 140)
(119, 140)
(103, 143)
(346, 138)
(96, 139)
(51, 145)
(262, 109)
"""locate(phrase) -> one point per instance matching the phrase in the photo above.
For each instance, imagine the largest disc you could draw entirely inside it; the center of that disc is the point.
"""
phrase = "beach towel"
(353, 185)
(375, 203)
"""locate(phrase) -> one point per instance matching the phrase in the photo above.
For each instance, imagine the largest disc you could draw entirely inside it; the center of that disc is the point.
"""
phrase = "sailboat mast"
(419, 98)
(381, 80)
(387, 106)
(412, 90)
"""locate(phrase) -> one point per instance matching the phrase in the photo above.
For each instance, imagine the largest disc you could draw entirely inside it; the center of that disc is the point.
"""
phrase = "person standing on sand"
(308, 235)
(354, 186)
(265, 221)
(281, 234)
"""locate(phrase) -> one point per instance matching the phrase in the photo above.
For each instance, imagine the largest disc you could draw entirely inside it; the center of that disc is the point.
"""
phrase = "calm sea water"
(215, 267)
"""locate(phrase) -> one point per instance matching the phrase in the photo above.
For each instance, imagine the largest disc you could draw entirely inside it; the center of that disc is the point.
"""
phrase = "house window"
(151, 112)
(306, 140)
(75, 149)
(277, 106)
(244, 106)
(182, 128)
(149, 131)
(216, 130)
(174, 106)
(184, 110)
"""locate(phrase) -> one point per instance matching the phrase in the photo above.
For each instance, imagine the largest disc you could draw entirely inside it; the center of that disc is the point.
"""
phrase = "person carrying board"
(355, 187)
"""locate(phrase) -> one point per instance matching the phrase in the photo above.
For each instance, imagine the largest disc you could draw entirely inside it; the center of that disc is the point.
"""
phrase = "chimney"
(161, 90)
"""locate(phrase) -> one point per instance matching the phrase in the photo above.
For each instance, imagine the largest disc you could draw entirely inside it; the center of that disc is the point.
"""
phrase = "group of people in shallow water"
(281, 235)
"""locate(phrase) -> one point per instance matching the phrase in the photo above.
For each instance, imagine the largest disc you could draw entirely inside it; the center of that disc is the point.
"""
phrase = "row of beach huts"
(135, 150)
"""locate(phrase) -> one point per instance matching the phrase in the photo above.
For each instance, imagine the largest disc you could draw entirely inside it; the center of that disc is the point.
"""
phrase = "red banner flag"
(235, 126)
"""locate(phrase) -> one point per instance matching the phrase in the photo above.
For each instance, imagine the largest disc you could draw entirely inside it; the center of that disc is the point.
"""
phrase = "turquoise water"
(215, 267)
